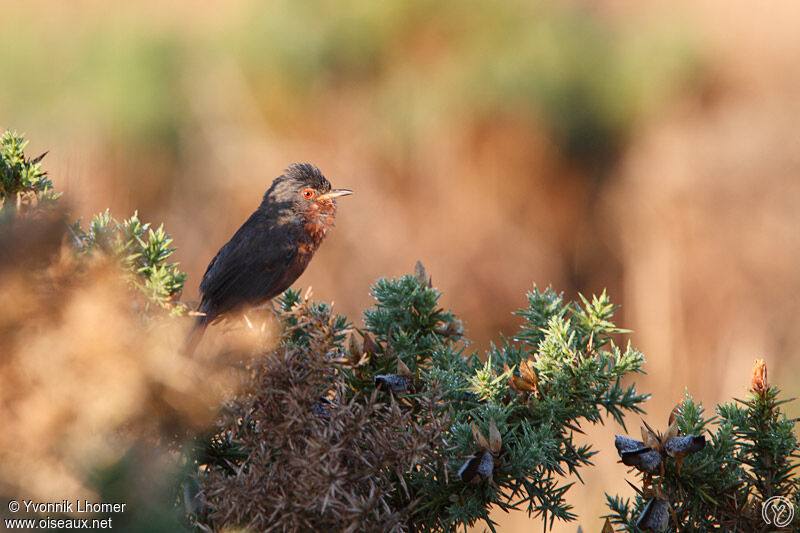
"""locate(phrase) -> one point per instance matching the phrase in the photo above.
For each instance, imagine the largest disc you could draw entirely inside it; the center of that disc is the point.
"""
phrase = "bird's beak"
(333, 193)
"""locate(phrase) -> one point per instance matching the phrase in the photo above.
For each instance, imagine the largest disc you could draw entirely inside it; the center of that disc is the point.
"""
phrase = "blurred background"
(648, 147)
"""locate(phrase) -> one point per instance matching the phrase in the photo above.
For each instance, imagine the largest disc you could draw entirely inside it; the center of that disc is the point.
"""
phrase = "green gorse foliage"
(577, 376)
(751, 456)
(23, 182)
(141, 250)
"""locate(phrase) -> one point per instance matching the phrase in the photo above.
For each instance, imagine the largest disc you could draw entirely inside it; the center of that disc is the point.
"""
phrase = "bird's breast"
(317, 221)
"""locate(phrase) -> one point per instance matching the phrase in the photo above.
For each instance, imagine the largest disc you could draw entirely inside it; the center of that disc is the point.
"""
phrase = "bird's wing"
(249, 268)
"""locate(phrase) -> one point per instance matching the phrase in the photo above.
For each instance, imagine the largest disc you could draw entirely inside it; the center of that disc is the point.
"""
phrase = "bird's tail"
(195, 334)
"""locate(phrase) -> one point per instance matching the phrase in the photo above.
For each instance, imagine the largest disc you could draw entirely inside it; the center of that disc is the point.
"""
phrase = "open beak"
(334, 193)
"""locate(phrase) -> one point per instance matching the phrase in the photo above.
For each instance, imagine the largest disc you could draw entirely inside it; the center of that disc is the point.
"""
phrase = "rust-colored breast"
(318, 219)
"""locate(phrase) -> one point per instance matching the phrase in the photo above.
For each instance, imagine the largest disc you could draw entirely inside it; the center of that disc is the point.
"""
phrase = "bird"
(271, 249)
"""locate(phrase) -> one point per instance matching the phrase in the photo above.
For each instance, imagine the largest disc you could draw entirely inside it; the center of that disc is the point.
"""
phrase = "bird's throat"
(318, 220)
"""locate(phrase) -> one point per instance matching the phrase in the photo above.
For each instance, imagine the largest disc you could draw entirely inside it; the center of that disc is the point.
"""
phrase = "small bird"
(271, 249)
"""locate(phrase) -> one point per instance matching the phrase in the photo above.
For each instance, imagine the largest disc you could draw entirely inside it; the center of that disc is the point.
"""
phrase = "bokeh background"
(648, 147)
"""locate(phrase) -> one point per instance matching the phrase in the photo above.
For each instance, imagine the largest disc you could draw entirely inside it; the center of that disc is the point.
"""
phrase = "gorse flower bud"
(759, 382)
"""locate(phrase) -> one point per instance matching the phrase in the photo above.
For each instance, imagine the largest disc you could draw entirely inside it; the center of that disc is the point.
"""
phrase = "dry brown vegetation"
(84, 375)
(314, 463)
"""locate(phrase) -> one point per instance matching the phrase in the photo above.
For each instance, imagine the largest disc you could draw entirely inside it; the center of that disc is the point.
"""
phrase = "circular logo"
(777, 511)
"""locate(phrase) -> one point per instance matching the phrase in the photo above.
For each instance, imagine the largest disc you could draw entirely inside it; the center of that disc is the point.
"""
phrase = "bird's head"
(303, 187)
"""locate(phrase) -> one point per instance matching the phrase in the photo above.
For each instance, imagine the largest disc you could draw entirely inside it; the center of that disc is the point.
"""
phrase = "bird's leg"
(264, 321)
(270, 305)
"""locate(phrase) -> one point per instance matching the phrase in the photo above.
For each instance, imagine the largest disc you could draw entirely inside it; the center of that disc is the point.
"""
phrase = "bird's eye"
(308, 194)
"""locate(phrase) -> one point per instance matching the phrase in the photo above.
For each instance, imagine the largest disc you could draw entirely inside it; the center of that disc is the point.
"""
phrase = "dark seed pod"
(645, 460)
(393, 383)
(655, 516)
(486, 467)
(478, 468)
(627, 444)
(469, 396)
(322, 407)
(635, 453)
(679, 446)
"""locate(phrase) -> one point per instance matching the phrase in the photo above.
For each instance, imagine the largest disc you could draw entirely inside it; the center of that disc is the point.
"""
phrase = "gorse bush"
(394, 424)
(750, 459)
(465, 435)
(292, 452)
(532, 395)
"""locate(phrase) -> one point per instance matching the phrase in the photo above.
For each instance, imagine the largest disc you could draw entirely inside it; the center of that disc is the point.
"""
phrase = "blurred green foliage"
(136, 79)
(111, 73)
(564, 68)
(148, 485)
